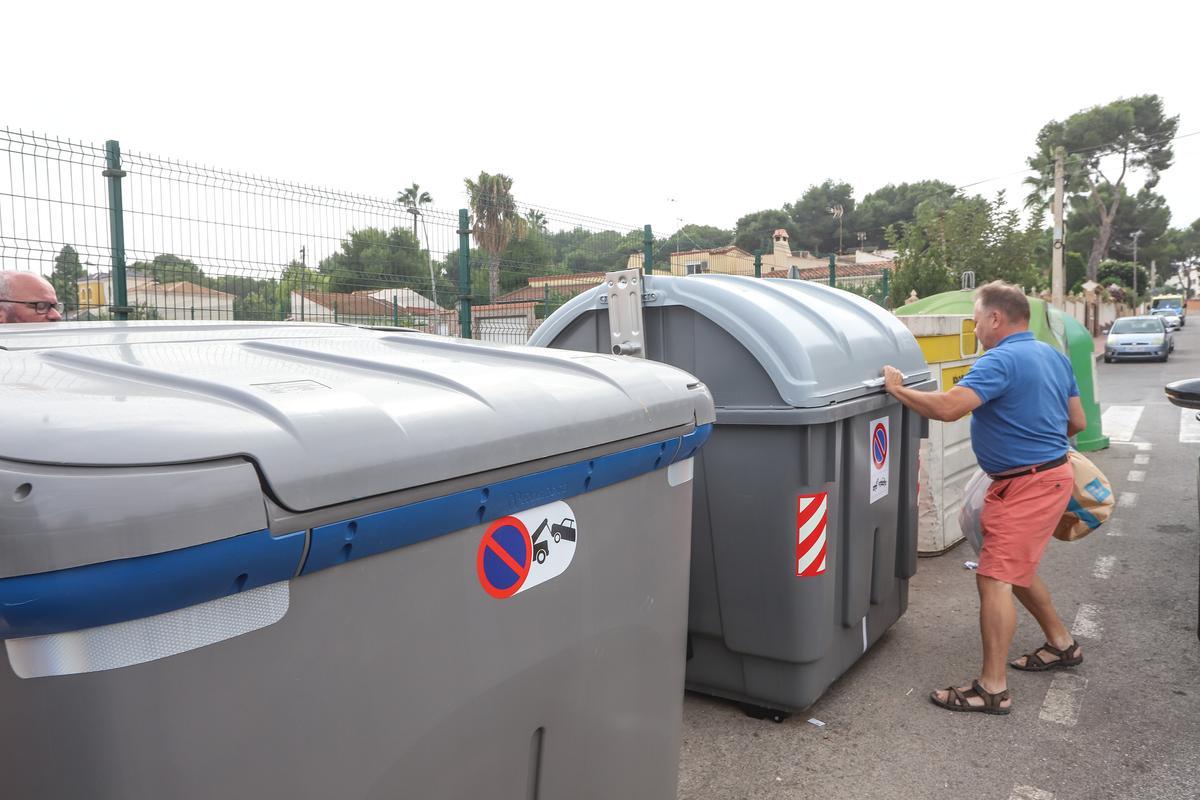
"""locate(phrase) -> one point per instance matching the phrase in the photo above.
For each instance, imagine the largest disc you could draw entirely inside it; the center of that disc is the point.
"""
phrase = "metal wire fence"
(130, 235)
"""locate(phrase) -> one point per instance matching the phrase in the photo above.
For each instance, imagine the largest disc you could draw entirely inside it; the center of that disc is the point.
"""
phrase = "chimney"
(782, 247)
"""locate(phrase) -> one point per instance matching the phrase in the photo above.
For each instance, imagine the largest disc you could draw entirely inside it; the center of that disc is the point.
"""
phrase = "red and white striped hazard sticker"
(812, 515)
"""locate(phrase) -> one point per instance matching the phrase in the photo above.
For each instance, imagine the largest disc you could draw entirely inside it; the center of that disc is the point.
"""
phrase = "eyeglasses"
(40, 306)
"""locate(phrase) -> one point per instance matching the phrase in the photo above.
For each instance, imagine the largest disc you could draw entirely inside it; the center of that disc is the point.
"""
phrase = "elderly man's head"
(26, 297)
(1001, 309)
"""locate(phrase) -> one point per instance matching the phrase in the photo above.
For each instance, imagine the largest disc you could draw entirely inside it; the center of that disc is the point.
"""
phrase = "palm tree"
(414, 200)
(495, 220)
(536, 220)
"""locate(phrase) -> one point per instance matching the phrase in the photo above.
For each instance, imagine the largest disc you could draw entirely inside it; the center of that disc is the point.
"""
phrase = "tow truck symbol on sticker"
(511, 560)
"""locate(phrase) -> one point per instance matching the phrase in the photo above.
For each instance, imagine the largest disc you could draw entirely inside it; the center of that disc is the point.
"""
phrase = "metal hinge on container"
(623, 296)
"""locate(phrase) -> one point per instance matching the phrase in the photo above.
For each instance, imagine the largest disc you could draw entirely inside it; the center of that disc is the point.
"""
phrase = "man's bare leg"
(1036, 599)
(997, 624)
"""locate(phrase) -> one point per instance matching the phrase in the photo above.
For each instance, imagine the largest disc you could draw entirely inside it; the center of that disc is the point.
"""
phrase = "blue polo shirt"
(1024, 385)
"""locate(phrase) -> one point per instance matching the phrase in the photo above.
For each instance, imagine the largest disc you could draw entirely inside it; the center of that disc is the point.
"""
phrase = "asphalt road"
(1124, 724)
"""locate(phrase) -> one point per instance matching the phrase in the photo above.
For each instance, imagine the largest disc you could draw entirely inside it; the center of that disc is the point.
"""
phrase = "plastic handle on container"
(875, 383)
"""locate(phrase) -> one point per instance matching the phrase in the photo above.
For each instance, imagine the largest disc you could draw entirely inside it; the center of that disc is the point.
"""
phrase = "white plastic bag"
(974, 493)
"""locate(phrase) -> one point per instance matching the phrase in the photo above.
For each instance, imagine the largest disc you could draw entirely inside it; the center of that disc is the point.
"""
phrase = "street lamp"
(837, 211)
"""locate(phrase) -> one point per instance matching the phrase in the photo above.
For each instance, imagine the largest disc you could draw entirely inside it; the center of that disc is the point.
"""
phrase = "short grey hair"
(1006, 298)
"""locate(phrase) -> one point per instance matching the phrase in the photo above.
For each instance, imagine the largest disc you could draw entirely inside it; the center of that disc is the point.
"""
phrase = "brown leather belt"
(1058, 462)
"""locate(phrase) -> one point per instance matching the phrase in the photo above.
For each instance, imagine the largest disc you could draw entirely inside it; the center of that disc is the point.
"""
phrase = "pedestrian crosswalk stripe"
(1120, 422)
(1087, 622)
(1063, 699)
(1189, 426)
(1104, 567)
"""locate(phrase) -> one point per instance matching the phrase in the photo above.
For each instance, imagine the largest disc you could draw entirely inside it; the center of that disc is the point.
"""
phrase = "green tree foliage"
(1146, 211)
(1179, 253)
(374, 259)
(143, 311)
(526, 257)
(494, 220)
(536, 221)
(755, 231)
(170, 268)
(68, 270)
(1075, 267)
(816, 227)
(950, 237)
(264, 302)
(583, 250)
(690, 237)
(296, 278)
(893, 204)
(1121, 273)
(1104, 146)
(413, 199)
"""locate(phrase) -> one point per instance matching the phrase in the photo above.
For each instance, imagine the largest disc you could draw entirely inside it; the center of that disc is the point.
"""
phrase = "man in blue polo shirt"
(1026, 405)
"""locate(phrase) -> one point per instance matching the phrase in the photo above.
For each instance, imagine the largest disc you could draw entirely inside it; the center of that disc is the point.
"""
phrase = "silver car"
(1170, 316)
(1138, 337)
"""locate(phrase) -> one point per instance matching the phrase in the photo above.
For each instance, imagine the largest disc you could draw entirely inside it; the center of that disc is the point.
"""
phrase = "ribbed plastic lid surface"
(818, 345)
(329, 413)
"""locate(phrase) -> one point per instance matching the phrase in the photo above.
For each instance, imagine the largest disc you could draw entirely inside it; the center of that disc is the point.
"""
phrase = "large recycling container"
(805, 521)
(303, 561)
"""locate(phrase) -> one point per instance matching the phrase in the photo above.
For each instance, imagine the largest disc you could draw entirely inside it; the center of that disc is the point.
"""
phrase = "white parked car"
(1170, 317)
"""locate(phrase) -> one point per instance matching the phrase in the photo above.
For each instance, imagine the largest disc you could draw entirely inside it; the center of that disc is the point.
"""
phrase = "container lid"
(328, 413)
(963, 302)
(818, 345)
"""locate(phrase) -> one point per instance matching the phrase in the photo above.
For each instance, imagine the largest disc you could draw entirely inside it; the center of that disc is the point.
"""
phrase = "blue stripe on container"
(132, 588)
(371, 534)
(693, 442)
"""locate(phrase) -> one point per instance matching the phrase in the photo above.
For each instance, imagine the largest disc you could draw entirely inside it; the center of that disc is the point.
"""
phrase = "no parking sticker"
(511, 559)
(880, 455)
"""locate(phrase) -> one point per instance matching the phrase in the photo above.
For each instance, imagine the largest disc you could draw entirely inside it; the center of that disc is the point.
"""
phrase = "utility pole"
(1136, 235)
(1057, 276)
(1153, 275)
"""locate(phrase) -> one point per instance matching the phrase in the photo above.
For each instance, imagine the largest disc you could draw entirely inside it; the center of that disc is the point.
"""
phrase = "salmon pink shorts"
(1019, 516)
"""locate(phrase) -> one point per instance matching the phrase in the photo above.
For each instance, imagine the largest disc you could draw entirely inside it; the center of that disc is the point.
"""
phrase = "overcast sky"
(631, 112)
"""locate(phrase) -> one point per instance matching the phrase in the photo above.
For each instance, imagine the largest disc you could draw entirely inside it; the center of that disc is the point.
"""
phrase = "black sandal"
(1035, 663)
(959, 700)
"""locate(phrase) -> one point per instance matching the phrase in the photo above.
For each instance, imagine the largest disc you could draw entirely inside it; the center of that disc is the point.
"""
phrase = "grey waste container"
(301, 561)
(805, 517)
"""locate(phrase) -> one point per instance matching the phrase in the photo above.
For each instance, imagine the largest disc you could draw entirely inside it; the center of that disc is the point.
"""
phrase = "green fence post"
(887, 275)
(648, 250)
(833, 269)
(395, 311)
(464, 275)
(758, 263)
(116, 225)
(193, 313)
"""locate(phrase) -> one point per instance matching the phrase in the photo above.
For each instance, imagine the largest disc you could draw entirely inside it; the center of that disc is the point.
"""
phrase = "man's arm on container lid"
(1076, 419)
(945, 406)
